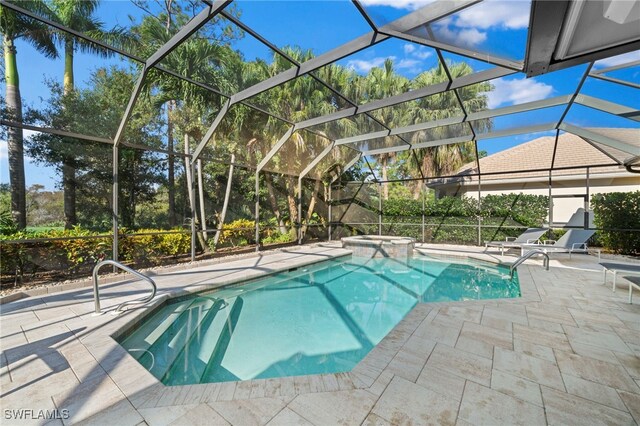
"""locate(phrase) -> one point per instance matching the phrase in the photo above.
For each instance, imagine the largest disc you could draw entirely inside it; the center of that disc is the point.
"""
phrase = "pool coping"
(145, 391)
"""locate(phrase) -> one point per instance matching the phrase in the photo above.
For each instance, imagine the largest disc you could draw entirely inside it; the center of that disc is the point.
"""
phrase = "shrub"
(615, 214)
(238, 232)
(455, 219)
(276, 237)
(7, 224)
(78, 250)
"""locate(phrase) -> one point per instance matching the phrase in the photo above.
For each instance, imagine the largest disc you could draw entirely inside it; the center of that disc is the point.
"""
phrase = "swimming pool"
(323, 318)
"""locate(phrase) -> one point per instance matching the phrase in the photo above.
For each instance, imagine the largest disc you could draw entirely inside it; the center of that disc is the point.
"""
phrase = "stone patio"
(566, 352)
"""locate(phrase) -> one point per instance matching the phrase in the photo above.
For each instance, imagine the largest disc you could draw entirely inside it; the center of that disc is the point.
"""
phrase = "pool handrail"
(119, 265)
(527, 255)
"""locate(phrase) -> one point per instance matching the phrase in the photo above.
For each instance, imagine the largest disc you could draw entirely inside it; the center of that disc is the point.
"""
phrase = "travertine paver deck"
(567, 351)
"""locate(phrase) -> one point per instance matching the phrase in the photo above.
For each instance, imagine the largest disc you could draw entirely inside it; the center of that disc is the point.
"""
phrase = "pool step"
(214, 371)
(192, 360)
(168, 345)
(151, 330)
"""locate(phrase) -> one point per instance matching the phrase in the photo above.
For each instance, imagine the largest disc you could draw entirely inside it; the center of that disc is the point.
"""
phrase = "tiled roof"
(572, 151)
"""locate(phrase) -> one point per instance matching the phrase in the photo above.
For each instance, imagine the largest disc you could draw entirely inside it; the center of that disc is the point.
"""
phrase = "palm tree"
(446, 159)
(79, 15)
(16, 26)
(381, 83)
(200, 57)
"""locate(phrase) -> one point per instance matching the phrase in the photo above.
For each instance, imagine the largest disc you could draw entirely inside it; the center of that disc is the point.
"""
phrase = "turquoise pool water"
(319, 319)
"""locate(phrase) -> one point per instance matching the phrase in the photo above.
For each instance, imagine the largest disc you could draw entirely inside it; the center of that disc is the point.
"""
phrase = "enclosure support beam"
(616, 81)
(479, 210)
(424, 15)
(575, 94)
(434, 89)
(225, 204)
(596, 137)
(330, 212)
(299, 221)
(257, 210)
(201, 200)
(497, 112)
(115, 208)
(348, 166)
(610, 107)
(586, 201)
(307, 169)
(192, 203)
(116, 142)
(275, 148)
(615, 67)
(423, 194)
(493, 60)
(189, 28)
(380, 207)
(317, 160)
(207, 136)
(551, 198)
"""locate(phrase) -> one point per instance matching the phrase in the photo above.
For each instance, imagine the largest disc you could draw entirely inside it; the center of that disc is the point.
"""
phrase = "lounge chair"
(623, 268)
(633, 282)
(575, 240)
(530, 236)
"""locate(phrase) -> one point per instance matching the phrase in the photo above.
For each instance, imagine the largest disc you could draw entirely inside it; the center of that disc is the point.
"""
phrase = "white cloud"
(364, 66)
(511, 14)
(409, 64)
(397, 4)
(422, 53)
(517, 91)
(618, 60)
(468, 37)
(471, 37)
(468, 27)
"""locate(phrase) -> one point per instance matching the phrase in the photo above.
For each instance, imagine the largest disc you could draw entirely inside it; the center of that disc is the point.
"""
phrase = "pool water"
(319, 319)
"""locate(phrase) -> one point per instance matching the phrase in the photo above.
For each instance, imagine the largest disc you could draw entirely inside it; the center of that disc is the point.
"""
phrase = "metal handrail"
(527, 255)
(96, 294)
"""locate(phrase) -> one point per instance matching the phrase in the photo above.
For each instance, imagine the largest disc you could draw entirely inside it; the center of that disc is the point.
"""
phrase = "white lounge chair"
(575, 240)
(623, 268)
(530, 236)
(633, 282)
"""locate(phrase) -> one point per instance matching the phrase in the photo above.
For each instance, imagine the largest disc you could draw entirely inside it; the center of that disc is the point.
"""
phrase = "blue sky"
(494, 28)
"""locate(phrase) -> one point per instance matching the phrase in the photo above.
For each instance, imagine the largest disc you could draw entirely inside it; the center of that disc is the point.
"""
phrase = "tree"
(199, 57)
(446, 159)
(381, 83)
(98, 110)
(16, 26)
(78, 15)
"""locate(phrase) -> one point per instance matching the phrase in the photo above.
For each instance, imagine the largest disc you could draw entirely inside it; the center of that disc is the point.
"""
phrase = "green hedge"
(455, 219)
(527, 210)
(78, 250)
(615, 214)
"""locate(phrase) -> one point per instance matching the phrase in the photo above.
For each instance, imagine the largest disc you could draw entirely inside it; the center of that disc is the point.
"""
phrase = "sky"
(493, 28)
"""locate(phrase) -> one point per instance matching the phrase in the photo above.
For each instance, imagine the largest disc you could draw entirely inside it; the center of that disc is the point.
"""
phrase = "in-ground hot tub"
(380, 246)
